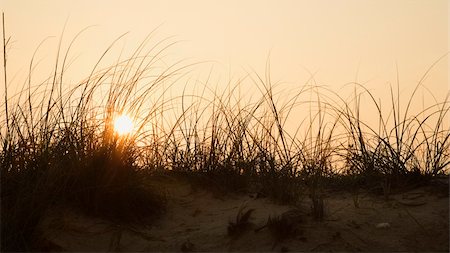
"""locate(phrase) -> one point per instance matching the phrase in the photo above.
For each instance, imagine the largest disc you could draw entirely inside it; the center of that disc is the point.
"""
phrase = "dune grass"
(58, 145)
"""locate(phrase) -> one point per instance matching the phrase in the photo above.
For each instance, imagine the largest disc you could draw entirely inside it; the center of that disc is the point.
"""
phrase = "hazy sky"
(338, 40)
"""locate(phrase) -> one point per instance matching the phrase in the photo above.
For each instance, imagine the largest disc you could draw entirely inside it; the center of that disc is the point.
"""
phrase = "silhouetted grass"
(58, 146)
(405, 150)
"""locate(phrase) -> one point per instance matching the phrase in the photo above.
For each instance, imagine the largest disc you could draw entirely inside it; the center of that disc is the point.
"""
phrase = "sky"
(374, 42)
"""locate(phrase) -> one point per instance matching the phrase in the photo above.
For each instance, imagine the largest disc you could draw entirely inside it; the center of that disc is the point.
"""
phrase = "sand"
(197, 220)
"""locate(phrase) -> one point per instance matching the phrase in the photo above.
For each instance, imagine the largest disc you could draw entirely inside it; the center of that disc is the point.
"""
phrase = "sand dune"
(197, 220)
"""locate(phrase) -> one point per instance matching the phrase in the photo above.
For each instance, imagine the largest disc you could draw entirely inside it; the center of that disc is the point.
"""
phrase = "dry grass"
(241, 222)
(58, 146)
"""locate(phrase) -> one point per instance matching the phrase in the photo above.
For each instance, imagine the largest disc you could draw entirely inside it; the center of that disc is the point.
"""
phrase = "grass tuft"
(241, 223)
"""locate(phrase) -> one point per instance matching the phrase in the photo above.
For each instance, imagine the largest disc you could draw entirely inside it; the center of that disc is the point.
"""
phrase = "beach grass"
(59, 148)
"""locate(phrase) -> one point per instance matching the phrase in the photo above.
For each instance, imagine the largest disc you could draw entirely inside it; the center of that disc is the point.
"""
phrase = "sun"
(123, 125)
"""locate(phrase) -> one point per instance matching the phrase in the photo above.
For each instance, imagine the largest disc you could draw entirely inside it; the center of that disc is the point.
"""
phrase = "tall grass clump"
(237, 140)
(59, 148)
(404, 150)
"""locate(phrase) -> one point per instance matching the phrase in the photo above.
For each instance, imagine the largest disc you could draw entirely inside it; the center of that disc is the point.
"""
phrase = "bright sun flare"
(123, 125)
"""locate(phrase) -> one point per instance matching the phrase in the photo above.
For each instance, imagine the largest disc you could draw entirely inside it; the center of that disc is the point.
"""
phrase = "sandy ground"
(196, 220)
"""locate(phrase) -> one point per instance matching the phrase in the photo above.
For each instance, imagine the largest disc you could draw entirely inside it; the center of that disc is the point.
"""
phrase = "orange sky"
(338, 40)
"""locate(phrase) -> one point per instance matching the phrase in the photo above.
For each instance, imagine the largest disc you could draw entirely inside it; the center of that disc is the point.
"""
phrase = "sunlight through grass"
(102, 145)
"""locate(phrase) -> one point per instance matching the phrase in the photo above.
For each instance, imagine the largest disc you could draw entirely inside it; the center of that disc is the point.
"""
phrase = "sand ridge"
(197, 220)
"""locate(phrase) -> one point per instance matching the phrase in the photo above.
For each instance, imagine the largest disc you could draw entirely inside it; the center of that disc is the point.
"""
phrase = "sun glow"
(123, 125)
